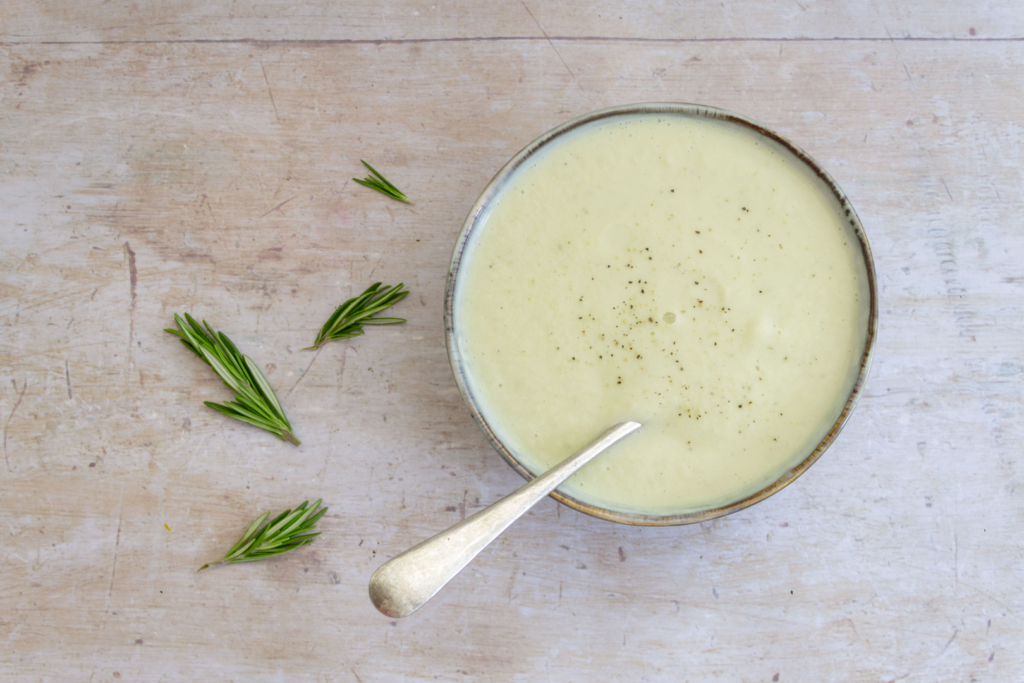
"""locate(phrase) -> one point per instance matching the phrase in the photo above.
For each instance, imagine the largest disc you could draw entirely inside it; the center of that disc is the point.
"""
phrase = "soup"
(685, 272)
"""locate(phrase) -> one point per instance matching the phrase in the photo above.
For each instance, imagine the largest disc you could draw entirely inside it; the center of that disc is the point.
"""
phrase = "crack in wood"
(552, 44)
(10, 417)
(67, 379)
(274, 104)
(133, 280)
(278, 206)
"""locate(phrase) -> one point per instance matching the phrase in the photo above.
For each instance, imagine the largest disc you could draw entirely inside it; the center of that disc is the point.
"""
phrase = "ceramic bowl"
(477, 218)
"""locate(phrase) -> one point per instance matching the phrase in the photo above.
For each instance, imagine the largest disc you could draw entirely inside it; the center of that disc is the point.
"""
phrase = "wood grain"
(144, 171)
(54, 21)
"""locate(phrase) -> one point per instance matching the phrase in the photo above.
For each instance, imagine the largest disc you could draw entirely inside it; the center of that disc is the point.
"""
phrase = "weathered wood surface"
(156, 159)
(56, 21)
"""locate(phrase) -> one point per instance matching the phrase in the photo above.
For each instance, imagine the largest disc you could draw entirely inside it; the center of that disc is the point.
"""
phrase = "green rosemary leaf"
(348, 319)
(257, 540)
(382, 321)
(257, 403)
(258, 409)
(377, 175)
(337, 337)
(239, 412)
(228, 352)
(376, 181)
(289, 530)
(292, 525)
(264, 387)
(184, 340)
(247, 536)
(198, 330)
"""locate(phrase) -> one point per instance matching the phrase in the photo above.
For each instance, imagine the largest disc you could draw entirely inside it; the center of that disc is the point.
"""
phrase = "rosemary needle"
(378, 182)
(348, 319)
(255, 401)
(285, 532)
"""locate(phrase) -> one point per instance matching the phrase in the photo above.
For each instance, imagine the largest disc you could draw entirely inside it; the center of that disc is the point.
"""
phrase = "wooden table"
(163, 157)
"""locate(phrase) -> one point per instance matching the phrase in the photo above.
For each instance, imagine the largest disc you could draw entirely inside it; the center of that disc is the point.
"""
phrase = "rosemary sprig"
(378, 182)
(255, 401)
(285, 532)
(348, 319)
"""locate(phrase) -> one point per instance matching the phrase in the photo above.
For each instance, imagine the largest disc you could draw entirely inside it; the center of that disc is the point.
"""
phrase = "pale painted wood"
(33, 21)
(142, 179)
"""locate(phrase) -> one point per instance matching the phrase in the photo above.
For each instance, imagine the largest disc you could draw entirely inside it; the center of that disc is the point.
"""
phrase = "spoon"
(404, 583)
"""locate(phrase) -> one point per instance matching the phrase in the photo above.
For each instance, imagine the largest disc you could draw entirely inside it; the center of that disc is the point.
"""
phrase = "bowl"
(716, 151)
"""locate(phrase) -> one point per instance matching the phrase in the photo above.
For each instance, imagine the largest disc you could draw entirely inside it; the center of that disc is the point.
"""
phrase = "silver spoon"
(404, 583)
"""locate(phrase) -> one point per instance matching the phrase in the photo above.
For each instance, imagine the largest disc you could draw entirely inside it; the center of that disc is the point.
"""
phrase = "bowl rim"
(494, 189)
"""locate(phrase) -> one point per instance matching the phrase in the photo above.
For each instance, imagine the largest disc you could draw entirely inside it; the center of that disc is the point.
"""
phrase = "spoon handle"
(404, 583)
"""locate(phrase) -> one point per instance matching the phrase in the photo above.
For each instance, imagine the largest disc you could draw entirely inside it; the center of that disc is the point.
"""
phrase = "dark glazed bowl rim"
(494, 189)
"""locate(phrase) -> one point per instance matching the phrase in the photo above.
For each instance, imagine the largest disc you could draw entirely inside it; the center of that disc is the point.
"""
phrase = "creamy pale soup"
(677, 271)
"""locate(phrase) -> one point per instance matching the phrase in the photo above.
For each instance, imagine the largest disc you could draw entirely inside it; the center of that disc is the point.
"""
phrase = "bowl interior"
(476, 223)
